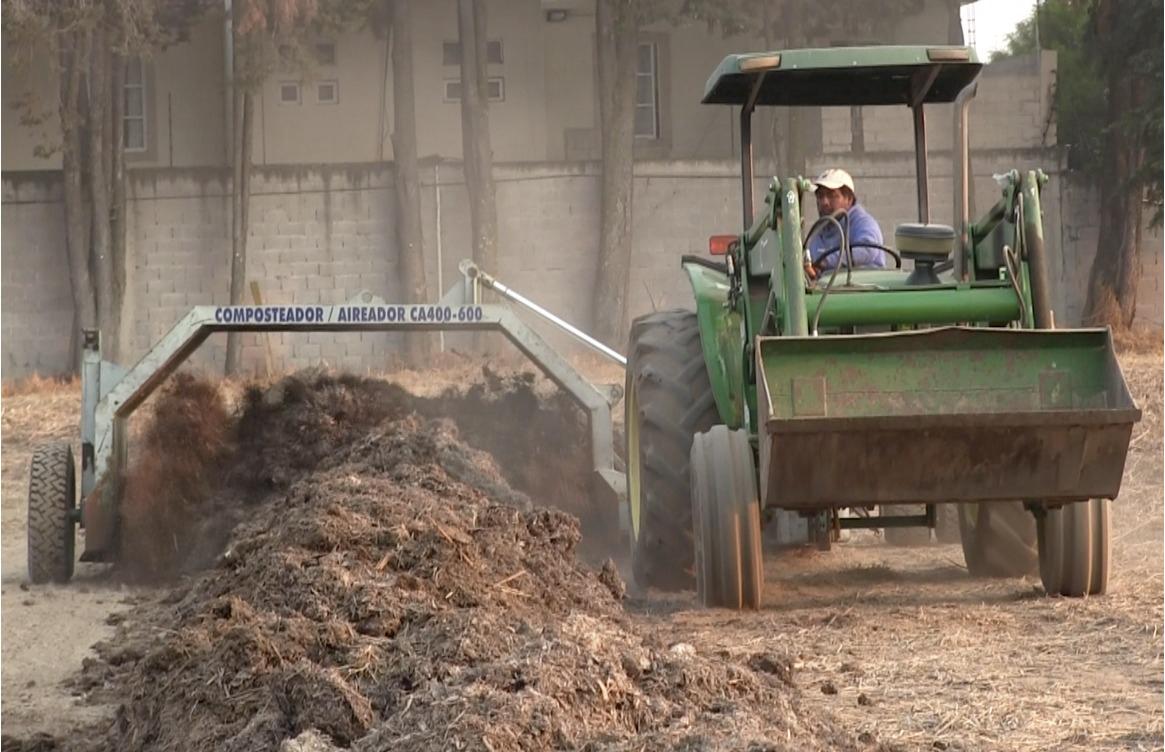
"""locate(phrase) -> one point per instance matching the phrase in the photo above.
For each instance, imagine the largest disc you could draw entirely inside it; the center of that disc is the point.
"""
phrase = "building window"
(134, 105)
(290, 92)
(326, 53)
(327, 92)
(647, 92)
(451, 53)
(496, 88)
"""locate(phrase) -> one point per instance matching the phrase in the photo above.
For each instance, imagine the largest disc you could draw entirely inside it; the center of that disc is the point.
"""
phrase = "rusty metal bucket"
(941, 415)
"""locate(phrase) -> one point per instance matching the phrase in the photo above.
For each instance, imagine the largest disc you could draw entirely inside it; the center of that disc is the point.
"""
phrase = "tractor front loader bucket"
(941, 415)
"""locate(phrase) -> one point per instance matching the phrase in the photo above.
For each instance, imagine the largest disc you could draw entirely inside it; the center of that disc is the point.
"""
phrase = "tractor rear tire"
(1075, 548)
(667, 400)
(726, 513)
(52, 494)
(999, 539)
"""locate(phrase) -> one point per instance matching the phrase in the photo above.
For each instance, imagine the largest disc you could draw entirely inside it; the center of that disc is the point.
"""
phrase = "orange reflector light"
(760, 62)
(718, 245)
(948, 54)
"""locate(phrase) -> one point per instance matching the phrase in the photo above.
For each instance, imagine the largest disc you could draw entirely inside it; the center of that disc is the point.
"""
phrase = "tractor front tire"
(999, 539)
(726, 515)
(1075, 548)
(52, 497)
(667, 400)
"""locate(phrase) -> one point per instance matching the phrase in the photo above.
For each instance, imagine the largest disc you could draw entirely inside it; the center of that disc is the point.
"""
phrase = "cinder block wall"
(1012, 109)
(36, 304)
(317, 236)
(1080, 226)
(320, 235)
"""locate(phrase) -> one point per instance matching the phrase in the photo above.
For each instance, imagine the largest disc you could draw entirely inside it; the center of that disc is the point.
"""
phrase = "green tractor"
(787, 399)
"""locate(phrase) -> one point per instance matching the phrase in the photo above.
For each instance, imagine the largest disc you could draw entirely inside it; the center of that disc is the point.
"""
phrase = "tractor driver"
(834, 190)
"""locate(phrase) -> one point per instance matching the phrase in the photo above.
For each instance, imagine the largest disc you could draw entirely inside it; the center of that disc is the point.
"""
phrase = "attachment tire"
(52, 497)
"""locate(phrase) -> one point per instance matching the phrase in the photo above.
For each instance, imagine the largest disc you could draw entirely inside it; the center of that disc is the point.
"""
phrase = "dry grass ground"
(903, 644)
(47, 630)
(898, 643)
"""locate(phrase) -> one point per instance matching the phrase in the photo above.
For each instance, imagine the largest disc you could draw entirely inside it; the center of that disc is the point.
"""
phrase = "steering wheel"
(817, 265)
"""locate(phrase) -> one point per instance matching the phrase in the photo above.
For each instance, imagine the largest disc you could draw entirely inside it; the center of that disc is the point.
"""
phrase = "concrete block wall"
(319, 235)
(316, 236)
(677, 207)
(1012, 109)
(1151, 290)
(1080, 228)
(548, 218)
(178, 255)
(35, 293)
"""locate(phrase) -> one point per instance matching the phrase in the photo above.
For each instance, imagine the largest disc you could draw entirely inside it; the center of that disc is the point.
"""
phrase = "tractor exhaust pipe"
(960, 163)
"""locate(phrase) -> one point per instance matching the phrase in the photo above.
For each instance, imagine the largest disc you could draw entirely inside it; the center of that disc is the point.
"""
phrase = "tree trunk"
(74, 62)
(240, 212)
(955, 22)
(477, 155)
(404, 154)
(773, 121)
(616, 36)
(117, 221)
(98, 174)
(801, 119)
(769, 148)
(475, 136)
(1112, 282)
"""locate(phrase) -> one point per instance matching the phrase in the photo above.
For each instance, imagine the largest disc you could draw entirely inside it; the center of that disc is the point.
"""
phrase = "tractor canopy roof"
(838, 76)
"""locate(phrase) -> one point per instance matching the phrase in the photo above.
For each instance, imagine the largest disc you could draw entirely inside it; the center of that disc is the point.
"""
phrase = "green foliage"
(275, 35)
(1129, 44)
(1078, 99)
(1133, 46)
(134, 27)
(37, 31)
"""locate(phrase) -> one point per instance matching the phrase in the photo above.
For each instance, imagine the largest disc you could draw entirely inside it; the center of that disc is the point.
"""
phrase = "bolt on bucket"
(950, 414)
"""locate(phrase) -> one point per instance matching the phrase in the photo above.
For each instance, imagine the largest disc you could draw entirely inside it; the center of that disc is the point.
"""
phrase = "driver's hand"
(810, 271)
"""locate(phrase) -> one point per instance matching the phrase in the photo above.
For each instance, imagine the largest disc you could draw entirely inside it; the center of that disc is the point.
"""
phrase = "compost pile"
(385, 587)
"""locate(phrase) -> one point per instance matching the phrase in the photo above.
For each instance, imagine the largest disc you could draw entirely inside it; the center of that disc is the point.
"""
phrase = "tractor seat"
(926, 245)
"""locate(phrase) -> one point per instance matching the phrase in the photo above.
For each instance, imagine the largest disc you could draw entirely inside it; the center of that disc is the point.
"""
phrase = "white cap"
(833, 178)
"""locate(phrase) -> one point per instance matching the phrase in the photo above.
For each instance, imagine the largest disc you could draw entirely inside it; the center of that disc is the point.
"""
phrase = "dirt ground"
(47, 630)
(892, 644)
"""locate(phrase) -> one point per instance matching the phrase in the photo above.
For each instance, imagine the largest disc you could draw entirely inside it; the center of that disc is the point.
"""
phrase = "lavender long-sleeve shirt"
(860, 227)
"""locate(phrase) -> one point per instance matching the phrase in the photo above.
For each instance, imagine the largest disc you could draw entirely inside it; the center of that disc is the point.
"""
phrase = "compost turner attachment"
(110, 394)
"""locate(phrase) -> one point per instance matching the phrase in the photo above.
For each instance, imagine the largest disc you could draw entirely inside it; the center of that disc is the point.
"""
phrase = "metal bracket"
(475, 278)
